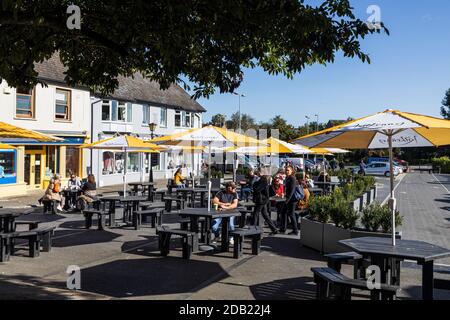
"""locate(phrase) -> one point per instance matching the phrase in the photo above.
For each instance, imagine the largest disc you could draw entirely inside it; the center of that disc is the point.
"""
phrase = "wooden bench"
(254, 232)
(50, 206)
(181, 204)
(332, 285)
(31, 224)
(88, 214)
(189, 240)
(442, 284)
(36, 238)
(154, 213)
(335, 261)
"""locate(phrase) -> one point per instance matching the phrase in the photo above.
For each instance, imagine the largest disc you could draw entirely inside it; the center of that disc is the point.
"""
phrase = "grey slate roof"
(135, 88)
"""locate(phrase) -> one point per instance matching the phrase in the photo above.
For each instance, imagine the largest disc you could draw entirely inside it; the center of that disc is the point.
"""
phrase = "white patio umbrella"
(388, 129)
(209, 137)
(126, 144)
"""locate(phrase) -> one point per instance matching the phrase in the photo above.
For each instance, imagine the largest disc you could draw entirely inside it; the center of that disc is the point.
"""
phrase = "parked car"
(378, 168)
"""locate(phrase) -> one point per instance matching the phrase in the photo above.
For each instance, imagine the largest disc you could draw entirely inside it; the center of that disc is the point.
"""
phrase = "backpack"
(299, 193)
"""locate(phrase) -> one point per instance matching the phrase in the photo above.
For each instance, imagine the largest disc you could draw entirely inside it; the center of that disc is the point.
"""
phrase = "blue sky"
(410, 71)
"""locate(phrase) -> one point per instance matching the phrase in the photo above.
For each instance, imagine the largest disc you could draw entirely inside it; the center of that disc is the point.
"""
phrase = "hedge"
(443, 163)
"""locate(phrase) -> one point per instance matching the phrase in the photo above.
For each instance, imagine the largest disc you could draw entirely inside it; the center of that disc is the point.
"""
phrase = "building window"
(117, 111)
(106, 111)
(72, 161)
(24, 103)
(119, 162)
(163, 117)
(133, 162)
(108, 163)
(189, 120)
(177, 118)
(8, 167)
(63, 104)
(145, 114)
(50, 168)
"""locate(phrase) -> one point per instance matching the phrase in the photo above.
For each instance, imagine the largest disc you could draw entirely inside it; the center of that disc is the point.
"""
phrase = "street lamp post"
(307, 124)
(152, 127)
(317, 122)
(240, 131)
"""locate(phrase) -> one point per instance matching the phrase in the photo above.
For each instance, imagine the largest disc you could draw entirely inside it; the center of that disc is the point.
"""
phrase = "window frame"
(32, 107)
(163, 110)
(69, 105)
(179, 114)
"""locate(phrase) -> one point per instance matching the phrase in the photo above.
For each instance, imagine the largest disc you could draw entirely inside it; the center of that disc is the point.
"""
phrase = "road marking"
(395, 188)
(441, 183)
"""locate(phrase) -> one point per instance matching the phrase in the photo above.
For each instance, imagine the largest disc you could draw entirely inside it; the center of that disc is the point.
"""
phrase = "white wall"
(45, 109)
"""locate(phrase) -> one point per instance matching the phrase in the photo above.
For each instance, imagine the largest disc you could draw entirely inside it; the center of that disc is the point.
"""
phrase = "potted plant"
(312, 225)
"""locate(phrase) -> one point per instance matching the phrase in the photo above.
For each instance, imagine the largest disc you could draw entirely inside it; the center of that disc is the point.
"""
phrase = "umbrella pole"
(392, 200)
(304, 167)
(209, 177)
(125, 174)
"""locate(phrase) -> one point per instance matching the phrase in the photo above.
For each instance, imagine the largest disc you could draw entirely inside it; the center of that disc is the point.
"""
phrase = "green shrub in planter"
(377, 215)
(371, 217)
(348, 192)
(369, 182)
(359, 187)
(319, 208)
(350, 217)
(345, 175)
(386, 219)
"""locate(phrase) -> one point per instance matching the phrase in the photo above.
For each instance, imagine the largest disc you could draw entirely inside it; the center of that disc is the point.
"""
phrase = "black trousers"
(261, 209)
(289, 212)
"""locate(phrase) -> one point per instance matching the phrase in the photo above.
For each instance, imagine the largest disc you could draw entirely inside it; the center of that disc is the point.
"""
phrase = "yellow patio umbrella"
(388, 129)
(126, 144)
(209, 136)
(6, 146)
(9, 131)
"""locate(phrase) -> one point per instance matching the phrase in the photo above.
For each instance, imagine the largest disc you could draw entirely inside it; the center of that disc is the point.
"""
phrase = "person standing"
(362, 167)
(261, 199)
(290, 202)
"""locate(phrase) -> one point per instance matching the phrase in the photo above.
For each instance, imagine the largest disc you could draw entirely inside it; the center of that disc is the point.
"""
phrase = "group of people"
(260, 183)
(88, 190)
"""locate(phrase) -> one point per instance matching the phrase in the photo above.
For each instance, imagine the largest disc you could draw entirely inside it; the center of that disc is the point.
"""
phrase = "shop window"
(133, 162)
(8, 167)
(108, 162)
(72, 161)
(50, 167)
(119, 162)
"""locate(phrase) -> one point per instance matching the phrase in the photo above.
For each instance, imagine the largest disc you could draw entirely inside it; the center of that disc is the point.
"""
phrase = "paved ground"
(125, 264)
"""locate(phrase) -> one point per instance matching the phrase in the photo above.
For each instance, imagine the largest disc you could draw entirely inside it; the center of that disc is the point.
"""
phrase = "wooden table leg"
(427, 280)
(225, 225)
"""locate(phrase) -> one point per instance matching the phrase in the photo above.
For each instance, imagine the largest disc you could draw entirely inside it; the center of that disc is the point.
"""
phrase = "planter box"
(311, 234)
(331, 236)
(362, 201)
(325, 237)
(355, 204)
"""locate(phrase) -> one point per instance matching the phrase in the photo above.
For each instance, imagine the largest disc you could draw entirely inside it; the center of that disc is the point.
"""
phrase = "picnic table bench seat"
(181, 203)
(335, 261)
(31, 224)
(88, 214)
(189, 240)
(253, 232)
(332, 285)
(50, 206)
(154, 213)
(36, 238)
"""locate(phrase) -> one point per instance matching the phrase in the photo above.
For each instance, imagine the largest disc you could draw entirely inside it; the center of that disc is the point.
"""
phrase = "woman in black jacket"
(290, 203)
(261, 199)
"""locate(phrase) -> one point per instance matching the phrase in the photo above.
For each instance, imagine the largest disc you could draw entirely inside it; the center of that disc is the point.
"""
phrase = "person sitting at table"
(225, 200)
(309, 181)
(324, 177)
(52, 192)
(261, 198)
(178, 179)
(74, 182)
(247, 185)
(303, 203)
(89, 195)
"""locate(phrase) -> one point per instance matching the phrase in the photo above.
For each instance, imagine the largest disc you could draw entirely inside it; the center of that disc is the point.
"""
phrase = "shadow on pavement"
(149, 277)
(289, 247)
(302, 288)
(71, 238)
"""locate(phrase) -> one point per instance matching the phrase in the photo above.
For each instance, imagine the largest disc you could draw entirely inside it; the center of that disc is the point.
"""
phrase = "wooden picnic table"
(131, 203)
(193, 192)
(149, 186)
(8, 216)
(195, 213)
(382, 253)
(71, 196)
